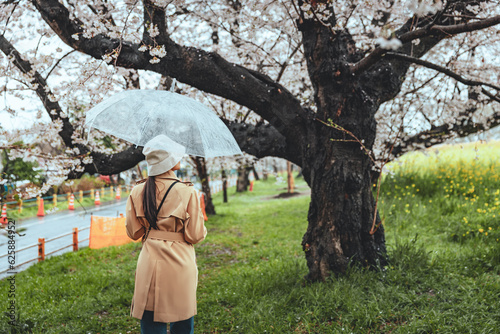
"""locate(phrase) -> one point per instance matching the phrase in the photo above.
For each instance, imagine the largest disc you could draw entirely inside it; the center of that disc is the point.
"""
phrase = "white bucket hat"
(162, 154)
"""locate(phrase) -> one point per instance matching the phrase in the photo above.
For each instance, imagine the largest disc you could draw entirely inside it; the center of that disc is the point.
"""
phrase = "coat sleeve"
(135, 229)
(194, 226)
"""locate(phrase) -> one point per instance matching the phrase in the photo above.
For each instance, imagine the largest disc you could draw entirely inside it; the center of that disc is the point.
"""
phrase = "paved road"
(51, 226)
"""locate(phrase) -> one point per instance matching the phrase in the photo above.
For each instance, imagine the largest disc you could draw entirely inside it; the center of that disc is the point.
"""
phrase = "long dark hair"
(149, 202)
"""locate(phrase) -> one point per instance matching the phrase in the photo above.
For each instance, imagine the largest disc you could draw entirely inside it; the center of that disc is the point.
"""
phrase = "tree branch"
(440, 31)
(286, 62)
(103, 163)
(439, 134)
(57, 63)
(108, 164)
(450, 73)
(42, 90)
(101, 8)
(263, 140)
(206, 71)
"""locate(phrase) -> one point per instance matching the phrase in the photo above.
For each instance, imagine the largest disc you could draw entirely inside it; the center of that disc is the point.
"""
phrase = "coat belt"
(165, 235)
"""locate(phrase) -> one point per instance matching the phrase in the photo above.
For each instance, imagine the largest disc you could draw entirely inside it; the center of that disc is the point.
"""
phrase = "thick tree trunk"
(242, 182)
(335, 165)
(341, 214)
(201, 168)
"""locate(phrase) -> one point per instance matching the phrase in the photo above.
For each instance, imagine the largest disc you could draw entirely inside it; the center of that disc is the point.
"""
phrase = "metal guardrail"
(41, 247)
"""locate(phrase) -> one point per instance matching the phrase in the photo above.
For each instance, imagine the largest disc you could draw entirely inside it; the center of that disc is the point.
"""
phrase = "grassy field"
(443, 276)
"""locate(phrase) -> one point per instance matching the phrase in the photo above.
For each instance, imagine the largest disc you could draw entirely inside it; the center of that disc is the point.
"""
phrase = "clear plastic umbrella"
(138, 116)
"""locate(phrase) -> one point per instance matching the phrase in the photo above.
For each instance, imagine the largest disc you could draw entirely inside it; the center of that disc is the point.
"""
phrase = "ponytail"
(149, 202)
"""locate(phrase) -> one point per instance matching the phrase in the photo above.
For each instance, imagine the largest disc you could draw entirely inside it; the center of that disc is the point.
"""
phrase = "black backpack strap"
(159, 207)
(163, 200)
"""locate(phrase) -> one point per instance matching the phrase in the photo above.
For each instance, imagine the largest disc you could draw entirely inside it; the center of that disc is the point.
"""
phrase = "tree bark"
(201, 169)
(290, 181)
(341, 214)
(335, 166)
(224, 185)
(242, 182)
(255, 174)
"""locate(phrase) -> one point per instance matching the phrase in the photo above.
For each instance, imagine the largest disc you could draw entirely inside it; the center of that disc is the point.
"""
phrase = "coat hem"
(167, 318)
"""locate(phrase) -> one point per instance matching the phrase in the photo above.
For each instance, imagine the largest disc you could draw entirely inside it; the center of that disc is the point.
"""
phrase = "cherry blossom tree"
(336, 87)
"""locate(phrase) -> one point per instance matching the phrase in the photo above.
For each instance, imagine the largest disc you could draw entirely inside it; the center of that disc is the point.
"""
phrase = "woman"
(166, 213)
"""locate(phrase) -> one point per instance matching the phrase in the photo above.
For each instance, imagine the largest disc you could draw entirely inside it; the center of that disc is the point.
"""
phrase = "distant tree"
(19, 170)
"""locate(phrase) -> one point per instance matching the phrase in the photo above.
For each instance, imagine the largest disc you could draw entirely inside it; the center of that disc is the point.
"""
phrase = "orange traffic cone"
(202, 203)
(41, 208)
(97, 199)
(3, 218)
(251, 186)
(118, 193)
(71, 203)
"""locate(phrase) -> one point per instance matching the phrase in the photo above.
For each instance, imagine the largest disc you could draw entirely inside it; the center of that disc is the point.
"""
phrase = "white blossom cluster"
(320, 10)
(162, 3)
(392, 44)
(153, 30)
(157, 52)
(425, 7)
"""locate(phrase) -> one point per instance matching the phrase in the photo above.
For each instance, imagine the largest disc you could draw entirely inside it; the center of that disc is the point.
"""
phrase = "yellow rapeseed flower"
(481, 230)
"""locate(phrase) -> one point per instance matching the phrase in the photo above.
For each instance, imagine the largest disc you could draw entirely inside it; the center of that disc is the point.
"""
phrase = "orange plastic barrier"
(41, 208)
(202, 204)
(108, 231)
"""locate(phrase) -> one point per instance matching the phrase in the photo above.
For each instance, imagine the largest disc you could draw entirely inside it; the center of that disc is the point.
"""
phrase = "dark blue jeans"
(148, 326)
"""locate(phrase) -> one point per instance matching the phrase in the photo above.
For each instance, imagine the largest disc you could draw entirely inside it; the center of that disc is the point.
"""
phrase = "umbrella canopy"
(138, 116)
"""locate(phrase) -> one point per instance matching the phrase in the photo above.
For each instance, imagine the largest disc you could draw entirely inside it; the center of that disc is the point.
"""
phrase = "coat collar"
(167, 175)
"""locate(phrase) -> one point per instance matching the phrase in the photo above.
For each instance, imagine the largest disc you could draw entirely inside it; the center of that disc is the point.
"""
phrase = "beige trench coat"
(166, 277)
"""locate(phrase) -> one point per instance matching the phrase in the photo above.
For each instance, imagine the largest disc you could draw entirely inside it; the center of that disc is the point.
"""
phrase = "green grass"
(252, 266)
(454, 191)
